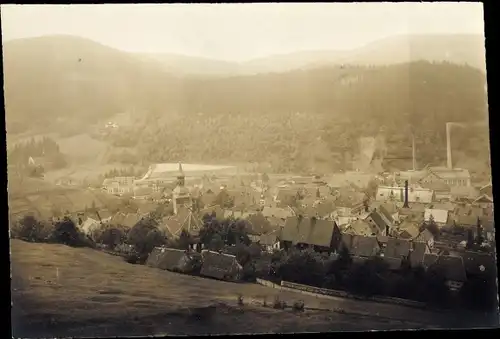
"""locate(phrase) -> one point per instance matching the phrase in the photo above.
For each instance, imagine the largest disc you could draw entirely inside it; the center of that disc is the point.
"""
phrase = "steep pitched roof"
(418, 253)
(397, 248)
(219, 265)
(270, 239)
(380, 220)
(309, 231)
(425, 236)
(364, 246)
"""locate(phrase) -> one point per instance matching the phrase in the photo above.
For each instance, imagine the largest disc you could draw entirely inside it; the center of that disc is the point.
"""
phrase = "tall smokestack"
(413, 152)
(406, 195)
(448, 146)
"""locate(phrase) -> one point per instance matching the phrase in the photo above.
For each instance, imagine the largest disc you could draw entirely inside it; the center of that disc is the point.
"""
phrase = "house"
(270, 241)
(220, 266)
(276, 223)
(89, 226)
(300, 231)
(359, 227)
(350, 202)
(416, 212)
(451, 177)
(119, 185)
(452, 268)
(408, 230)
(361, 246)
(417, 254)
(174, 260)
(415, 194)
(397, 248)
(378, 222)
(440, 217)
(425, 237)
(463, 193)
(487, 190)
(484, 201)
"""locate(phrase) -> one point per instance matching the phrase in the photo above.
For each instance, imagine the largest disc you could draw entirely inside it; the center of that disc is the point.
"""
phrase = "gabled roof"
(270, 239)
(397, 248)
(364, 246)
(408, 230)
(484, 198)
(380, 220)
(219, 265)
(418, 253)
(309, 231)
(425, 236)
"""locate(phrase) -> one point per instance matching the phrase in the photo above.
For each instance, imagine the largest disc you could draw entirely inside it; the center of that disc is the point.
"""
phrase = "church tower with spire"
(181, 195)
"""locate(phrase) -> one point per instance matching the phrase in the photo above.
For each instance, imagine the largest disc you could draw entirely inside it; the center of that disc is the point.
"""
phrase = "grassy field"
(61, 291)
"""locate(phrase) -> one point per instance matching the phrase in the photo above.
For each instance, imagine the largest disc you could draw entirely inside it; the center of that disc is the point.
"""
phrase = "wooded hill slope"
(301, 120)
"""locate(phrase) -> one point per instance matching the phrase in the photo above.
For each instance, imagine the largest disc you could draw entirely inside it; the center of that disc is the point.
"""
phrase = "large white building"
(167, 172)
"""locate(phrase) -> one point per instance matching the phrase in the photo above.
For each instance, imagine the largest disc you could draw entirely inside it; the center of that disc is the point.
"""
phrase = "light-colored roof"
(446, 173)
(440, 216)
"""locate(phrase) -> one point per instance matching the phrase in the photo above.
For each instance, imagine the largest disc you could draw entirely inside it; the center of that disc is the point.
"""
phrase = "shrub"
(65, 232)
(30, 229)
(111, 236)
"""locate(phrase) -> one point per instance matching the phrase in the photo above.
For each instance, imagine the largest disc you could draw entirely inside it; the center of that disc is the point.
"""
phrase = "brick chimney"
(406, 195)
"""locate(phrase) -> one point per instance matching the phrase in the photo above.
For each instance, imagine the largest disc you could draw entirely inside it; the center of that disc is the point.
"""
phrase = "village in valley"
(316, 181)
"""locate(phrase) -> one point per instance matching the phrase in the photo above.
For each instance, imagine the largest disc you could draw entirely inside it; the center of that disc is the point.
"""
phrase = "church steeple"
(180, 176)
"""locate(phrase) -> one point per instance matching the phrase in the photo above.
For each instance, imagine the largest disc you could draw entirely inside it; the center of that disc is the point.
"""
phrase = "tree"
(265, 178)
(216, 243)
(470, 239)
(65, 232)
(184, 240)
(145, 236)
(111, 236)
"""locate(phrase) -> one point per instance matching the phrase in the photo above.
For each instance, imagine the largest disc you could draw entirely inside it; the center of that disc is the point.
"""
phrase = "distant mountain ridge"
(459, 49)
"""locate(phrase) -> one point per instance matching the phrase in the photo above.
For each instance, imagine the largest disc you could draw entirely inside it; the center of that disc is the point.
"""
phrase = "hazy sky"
(240, 31)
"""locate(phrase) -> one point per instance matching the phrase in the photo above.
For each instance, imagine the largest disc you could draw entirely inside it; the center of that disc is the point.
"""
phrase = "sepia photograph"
(206, 169)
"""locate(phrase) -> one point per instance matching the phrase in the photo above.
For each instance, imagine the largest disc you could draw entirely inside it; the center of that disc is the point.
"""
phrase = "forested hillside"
(303, 120)
(312, 120)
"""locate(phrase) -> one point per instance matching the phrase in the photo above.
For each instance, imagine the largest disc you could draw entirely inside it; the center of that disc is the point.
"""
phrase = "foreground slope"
(61, 291)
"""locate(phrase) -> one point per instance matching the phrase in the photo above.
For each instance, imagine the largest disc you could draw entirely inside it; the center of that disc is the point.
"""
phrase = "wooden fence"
(317, 291)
